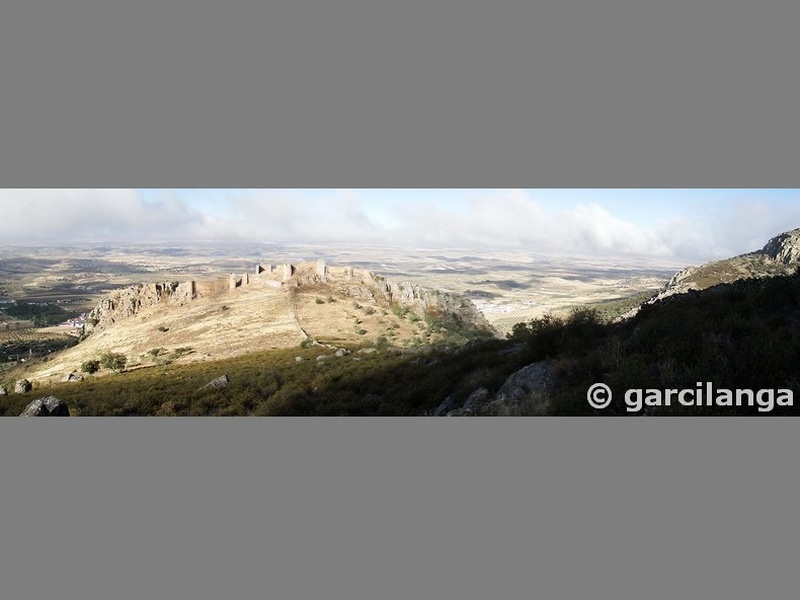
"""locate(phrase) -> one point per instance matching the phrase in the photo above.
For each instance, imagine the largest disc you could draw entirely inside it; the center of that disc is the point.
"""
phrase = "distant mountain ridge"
(780, 256)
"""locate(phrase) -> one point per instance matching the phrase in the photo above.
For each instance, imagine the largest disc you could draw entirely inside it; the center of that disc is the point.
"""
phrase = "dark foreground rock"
(46, 407)
(525, 393)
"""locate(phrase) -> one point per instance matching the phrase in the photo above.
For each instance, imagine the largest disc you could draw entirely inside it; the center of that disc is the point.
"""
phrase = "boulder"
(527, 388)
(476, 400)
(3, 391)
(46, 407)
(219, 382)
(23, 387)
(71, 378)
(523, 393)
(445, 407)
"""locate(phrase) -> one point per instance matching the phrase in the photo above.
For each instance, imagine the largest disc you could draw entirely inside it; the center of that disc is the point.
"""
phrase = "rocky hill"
(346, 281)
(780, 256)
(274, 306)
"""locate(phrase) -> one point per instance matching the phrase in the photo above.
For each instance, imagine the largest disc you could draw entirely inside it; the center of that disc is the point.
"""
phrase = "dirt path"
(293, 313)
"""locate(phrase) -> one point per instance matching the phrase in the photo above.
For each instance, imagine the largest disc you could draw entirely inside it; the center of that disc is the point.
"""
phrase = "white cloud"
(93, 214)
(484, 219)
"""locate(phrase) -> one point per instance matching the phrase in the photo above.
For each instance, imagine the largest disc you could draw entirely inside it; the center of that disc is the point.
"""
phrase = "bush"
(90, 366)
(114, 361)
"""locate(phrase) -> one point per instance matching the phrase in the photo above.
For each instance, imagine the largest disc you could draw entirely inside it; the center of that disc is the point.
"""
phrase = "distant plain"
(508, 286)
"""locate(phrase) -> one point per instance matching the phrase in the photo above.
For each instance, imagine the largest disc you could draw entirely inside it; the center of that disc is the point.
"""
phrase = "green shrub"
(90, 366)
(114, 361)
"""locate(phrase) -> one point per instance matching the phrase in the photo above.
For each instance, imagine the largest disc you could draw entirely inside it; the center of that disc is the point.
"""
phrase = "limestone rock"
(129, 301)
(72, 378)
(23, 387)
(46, 407)
(218, 383)
(784, 248)
(3, 391)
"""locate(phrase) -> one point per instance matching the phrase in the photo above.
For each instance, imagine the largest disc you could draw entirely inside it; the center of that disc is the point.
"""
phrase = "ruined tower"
(322, 269)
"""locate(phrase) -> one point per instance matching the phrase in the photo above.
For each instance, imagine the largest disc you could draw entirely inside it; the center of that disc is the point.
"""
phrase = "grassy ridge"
(388, 382)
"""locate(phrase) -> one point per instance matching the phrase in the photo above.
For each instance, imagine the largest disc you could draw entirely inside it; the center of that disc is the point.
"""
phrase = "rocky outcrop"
(22, 387)
(525, 393)
(780, 256)
(530, 383)
(128, 302)
(72, 378)
(46, 407)
(361, 284)
(784, 248)
(218, 383)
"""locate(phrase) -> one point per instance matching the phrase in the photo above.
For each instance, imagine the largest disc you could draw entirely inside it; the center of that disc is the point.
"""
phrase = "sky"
(680, 224)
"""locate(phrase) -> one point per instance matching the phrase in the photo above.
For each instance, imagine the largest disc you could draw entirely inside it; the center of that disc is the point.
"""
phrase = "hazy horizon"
(673, 225)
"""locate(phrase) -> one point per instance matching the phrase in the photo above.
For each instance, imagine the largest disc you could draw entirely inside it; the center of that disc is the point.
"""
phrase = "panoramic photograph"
(399, 302)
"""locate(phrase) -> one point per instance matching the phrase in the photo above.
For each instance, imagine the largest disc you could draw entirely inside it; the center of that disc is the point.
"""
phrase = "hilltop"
(274, 306)
(780, 256)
